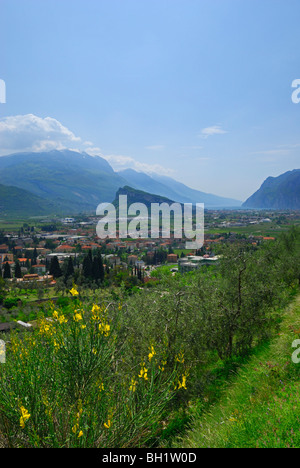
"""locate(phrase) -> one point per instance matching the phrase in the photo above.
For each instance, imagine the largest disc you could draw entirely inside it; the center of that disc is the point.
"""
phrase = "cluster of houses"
(37, 271)
(71, 239)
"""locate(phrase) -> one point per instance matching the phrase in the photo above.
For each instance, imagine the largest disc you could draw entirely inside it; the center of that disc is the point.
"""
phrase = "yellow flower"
(46, 329)
(162, 367)
(75, 428)
(151, 354)
(48, 410)
(132, 387)
(143, 373)
(56, 344)
(183, 383)
(95, 310)
(24, 416)
(101, 387)
(55, 315)
(80, 434)
(74, 292)
(62, 319)
(180, 357)
(77, 317)
(107, 424)
(104, 328)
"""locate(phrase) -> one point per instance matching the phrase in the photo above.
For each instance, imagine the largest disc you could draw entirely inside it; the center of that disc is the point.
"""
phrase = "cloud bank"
(25, 133)
(30, 133)
(120, 162)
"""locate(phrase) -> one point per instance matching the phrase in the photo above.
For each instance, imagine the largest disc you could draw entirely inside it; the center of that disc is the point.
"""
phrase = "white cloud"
(29, 133)
(153, 168)
(211, 131)
(119, 162)
(22, 133)
(93, 150)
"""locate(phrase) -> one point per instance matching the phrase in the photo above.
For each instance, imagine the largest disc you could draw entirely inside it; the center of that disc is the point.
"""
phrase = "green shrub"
(10, 302)
(62, 301)
(74, 382)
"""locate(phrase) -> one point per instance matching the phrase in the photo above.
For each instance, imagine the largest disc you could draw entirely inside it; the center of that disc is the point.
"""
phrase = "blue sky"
(196, 89)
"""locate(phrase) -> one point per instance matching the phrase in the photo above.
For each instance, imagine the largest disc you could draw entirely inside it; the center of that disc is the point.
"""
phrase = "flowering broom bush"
(74, 382)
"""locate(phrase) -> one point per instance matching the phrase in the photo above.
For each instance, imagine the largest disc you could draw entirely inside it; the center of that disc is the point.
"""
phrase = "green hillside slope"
(260, 406)
(75, 181)
(18, 202)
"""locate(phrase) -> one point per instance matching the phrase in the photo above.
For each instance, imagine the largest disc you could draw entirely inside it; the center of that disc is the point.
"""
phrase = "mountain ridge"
(75, 180)
(78, 182)
(140, 196)
(281, 192)
(177, 191)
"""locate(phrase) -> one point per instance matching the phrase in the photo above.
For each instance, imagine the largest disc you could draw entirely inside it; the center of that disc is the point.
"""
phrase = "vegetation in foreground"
(74, 382)
(135, 371)
(260, 406)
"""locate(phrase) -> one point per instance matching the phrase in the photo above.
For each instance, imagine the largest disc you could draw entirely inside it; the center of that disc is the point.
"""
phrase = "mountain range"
(278, 193)
(170, 188)
(72, 182)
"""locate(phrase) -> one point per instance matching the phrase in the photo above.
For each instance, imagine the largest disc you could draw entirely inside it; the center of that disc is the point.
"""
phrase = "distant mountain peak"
(139, 196)
(168, 187)
(282, 192)
(75, 181)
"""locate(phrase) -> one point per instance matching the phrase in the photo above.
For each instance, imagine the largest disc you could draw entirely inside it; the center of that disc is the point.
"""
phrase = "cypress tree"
(87, 267)
(55, 269)
(18, 273)
(98, 269)
(7, 272)
(101, 268)
(70, 268)
(34, 257)
(95, 269)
